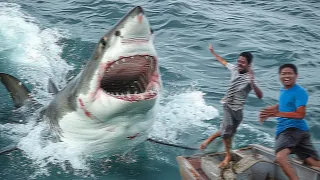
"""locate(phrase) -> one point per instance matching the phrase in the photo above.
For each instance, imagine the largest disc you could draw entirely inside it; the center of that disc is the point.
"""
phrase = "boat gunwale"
(184, 161)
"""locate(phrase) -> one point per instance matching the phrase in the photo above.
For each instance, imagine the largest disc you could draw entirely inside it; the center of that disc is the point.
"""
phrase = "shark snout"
(140, 18)
(140, 13)
(134, 25)
(138, 10)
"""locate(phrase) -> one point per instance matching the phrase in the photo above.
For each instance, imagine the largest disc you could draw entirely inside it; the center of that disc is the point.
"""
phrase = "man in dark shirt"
(242, 82)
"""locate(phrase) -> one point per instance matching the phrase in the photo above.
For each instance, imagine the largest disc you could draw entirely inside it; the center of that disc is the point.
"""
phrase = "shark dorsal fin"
(19, 93)
(52, 88)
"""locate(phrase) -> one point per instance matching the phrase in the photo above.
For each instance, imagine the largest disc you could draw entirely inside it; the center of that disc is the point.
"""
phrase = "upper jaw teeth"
(136, 95)
(138, 84)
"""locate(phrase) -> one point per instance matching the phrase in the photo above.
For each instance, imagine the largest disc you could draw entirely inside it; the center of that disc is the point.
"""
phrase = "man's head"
(288, 74)
(244, 62)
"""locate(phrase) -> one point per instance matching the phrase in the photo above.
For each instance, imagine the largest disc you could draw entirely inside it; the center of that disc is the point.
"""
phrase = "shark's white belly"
(118, 134)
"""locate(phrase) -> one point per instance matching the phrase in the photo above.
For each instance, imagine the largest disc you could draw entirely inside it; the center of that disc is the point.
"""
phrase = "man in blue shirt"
(292, 132)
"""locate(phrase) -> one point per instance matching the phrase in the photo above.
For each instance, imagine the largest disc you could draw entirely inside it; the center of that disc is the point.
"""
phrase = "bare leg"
(211, 138)
(227, 143)
(282, 159)
(312, 162)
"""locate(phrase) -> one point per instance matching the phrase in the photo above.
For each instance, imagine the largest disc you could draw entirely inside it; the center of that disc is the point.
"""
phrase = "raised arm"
(220, 59)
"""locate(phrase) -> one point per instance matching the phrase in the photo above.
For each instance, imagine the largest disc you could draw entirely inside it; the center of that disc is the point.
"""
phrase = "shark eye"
(103, 41)
(151, 30)
(117, 33)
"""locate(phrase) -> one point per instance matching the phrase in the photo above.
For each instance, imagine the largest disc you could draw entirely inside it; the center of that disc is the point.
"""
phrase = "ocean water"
(53, 39)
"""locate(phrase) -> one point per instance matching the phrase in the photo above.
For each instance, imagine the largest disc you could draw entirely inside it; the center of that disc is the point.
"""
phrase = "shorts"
(298, 141)
(231, 121)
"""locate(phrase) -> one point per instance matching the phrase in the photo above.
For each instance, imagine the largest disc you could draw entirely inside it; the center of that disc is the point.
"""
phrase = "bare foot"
(225, 162)
(203, 145)
(211, 138)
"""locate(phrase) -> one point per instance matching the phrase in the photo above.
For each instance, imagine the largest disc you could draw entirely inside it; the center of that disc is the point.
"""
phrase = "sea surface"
(42, 39)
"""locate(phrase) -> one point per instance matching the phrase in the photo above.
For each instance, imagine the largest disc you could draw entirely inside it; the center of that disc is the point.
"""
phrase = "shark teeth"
(136, 97)
(129, 76)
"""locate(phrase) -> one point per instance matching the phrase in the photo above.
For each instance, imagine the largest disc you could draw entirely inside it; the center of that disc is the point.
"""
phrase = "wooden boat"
(254, 162)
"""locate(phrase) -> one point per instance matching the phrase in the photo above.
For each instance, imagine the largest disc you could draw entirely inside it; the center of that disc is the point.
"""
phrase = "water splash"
(34, 54)
(182, 114)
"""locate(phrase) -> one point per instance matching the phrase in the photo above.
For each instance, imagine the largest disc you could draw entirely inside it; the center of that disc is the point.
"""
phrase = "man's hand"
(251, 75)
(267, 112)
(220, 59)
(211, 49)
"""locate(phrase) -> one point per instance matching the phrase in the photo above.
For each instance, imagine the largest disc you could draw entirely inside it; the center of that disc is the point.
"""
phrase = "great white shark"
(108, 106)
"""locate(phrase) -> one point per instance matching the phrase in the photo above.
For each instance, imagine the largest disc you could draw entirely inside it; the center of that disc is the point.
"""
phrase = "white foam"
(43, 150)
(33, 53)
(181, 113)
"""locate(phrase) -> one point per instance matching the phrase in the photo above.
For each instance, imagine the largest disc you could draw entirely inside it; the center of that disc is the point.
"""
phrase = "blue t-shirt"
(289, 101)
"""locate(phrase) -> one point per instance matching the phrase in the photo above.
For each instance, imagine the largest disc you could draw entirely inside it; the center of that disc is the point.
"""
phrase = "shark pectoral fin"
(19, 93)
(52, 88)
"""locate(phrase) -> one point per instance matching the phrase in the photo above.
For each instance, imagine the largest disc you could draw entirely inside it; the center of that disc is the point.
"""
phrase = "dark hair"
(292, 66)
(247, 55)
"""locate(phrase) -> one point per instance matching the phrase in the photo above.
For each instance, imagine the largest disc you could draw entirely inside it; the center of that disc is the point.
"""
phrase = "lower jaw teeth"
(152, 91)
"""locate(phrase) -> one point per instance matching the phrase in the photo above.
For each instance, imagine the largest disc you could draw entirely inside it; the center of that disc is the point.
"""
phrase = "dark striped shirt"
(238, 90)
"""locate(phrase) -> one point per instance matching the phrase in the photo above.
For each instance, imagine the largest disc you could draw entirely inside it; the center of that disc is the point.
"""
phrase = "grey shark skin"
(108, 106)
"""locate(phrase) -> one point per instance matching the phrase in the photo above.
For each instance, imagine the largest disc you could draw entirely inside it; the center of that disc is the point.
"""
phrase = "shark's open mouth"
(131, 78)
